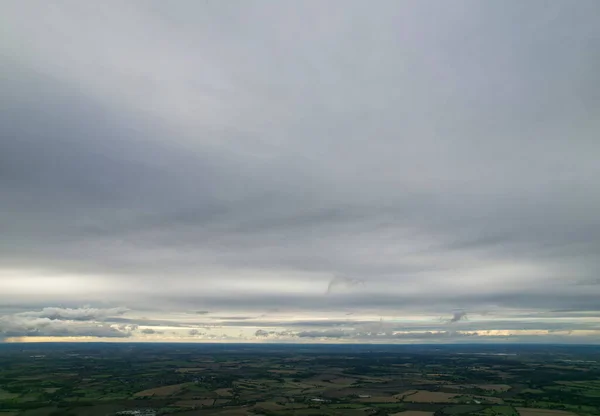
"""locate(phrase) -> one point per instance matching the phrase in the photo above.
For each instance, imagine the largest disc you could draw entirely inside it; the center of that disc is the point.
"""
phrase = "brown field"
(161, 391)
(234, 412)
(523, 411)
(342, 380)
(224, 392)
(323, 377)
(405, 394)
(194, 403)
(190, 369)
(51, 390)
(349, 391)
(326, 379)
(371, 379)
(272, 406)
(419, 380)
(378, 399)
(280, 399)
(297, 385)
(283, 371)
(494, 387)
(489, 387)
(335, 393)
(424, 396)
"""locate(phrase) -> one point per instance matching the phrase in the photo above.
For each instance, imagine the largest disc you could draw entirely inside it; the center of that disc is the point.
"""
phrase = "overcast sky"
(300, 171)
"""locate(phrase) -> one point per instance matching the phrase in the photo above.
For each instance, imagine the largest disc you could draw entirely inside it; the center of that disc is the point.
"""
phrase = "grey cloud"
(290, 323)
(446, 168)
(56, 321)
(458, 316)
(127, 327)
(531, 324)
(148, 322)
(261, 333)
(332, 333)
(588, 282)
(150, 331)
(15, 326)
(433, 335)
(78, 314)
(543, 299)
(343, 282)
(232, 318)
(412, 335)
(387, 328)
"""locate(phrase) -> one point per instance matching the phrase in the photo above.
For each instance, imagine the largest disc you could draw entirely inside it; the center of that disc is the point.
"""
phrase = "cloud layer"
(397, 159)
(60, 322)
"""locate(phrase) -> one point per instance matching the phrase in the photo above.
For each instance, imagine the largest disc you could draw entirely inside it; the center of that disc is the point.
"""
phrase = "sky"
(344, 171)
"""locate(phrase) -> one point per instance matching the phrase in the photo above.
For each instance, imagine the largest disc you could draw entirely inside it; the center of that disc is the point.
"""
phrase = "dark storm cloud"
(239, 159)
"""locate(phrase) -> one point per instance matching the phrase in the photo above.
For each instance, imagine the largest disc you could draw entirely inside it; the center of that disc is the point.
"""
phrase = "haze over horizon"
(302, 171)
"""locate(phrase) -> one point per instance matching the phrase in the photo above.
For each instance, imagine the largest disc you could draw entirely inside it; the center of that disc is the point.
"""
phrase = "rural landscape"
(300, 208)
(100, 379)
